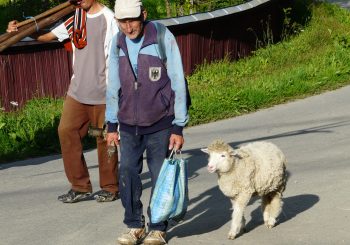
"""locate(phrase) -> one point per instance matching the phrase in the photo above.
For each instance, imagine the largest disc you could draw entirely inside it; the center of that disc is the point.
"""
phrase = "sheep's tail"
(285, 178)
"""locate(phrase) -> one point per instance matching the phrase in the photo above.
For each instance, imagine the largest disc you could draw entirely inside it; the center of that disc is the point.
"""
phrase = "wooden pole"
(21, 25)
(32, 27)
(45, 14)
(7, 35)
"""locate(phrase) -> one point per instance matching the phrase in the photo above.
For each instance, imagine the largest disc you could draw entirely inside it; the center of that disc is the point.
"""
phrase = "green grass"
(3, 2)
(315, 60)
(32, 131)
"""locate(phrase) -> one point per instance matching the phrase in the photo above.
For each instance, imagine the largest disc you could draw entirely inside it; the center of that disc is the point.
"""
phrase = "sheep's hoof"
(231, 236)
(270, 224)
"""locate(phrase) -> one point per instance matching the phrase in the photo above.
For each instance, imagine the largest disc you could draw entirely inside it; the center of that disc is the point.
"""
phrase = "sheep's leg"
(265, 206)
(272, 207)
(238, 221)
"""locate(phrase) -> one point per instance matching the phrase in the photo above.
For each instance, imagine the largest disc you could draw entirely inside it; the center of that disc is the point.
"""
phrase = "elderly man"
(146, 100)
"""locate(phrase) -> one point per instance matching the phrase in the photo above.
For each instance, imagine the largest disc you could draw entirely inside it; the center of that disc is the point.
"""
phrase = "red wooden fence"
(33, 69)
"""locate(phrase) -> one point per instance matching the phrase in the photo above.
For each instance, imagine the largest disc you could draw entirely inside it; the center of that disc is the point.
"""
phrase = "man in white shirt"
(91, 30)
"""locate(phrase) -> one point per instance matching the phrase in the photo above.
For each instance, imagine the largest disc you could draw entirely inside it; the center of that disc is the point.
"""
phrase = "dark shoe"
(74, 196)
(155, 238)
(132, 237)
(105, 196)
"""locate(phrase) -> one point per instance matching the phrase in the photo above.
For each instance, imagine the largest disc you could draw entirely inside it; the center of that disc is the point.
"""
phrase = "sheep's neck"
(227, 173)
(227, 183)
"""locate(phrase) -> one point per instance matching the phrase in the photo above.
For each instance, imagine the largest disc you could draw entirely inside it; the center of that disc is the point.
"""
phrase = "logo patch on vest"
(154, 73)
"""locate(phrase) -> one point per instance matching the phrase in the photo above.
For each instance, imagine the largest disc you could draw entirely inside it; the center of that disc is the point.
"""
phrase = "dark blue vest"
(147, 99)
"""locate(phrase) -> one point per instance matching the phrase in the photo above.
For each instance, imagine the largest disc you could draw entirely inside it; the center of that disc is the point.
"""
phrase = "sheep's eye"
(223, 155)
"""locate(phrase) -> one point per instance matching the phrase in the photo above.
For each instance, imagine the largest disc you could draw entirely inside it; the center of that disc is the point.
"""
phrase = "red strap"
(76, 27)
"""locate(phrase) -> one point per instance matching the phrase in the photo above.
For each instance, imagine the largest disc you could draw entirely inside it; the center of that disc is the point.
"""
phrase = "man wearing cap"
(146, 99)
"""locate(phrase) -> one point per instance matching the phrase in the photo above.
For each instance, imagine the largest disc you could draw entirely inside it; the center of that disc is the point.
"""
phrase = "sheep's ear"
(239, 154)
(205, 150)
(235, 154)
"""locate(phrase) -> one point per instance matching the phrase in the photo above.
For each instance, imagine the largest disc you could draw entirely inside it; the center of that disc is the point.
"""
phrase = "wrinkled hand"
(176, 142)
(12, 26)
(112, 138)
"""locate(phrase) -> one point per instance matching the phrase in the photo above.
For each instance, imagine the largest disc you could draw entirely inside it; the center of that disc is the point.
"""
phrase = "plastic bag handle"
(174, 154)
(171, 156)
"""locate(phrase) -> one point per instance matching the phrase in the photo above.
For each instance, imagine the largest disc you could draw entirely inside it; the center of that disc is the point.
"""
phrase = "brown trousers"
(75, 120)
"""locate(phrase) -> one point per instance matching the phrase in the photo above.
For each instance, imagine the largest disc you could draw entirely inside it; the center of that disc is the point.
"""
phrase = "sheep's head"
(221, 157)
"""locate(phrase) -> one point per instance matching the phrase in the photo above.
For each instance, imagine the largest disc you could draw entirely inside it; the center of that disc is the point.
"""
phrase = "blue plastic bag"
(170, 195)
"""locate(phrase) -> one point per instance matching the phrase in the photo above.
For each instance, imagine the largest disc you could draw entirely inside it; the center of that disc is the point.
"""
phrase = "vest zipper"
(135, 105)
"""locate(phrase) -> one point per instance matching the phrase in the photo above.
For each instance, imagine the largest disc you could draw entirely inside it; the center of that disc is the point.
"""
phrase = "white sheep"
(258, 168)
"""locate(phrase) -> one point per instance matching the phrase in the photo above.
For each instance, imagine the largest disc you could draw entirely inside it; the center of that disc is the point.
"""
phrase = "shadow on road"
(35, 161)
(292, 206)
(297, 204)
(213, 210)
(324, 129)
(30, 162)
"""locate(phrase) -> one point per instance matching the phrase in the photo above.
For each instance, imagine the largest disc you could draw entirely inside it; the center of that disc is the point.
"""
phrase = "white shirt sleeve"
(112, 30)
(60, 32)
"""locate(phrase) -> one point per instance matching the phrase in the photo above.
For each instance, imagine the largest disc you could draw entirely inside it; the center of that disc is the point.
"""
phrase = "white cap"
(125, 9)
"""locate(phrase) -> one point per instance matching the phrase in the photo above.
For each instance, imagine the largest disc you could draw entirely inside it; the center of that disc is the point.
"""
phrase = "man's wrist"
(177, 130)
(112, 127)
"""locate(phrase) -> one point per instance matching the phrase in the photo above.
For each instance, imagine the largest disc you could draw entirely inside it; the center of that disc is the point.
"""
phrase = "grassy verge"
(315, 60)
(32, 131)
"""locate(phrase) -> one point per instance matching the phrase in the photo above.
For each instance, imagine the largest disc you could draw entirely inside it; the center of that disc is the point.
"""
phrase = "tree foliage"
(20, 9)
(185, 7)
(157, 9)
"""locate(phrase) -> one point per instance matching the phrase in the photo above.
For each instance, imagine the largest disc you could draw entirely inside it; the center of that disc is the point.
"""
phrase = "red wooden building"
(32, 69)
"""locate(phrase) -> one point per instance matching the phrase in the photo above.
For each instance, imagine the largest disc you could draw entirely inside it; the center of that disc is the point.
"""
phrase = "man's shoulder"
(108, 12)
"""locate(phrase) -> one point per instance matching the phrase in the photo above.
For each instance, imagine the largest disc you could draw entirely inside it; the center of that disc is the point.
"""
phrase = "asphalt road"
(314, 133)
(342, 3)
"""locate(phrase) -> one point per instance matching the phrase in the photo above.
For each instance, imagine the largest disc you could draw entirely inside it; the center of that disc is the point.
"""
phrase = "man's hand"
(112, 138)
(176, 142)
(12, 26)
(40, 36)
